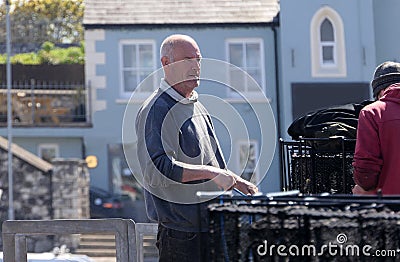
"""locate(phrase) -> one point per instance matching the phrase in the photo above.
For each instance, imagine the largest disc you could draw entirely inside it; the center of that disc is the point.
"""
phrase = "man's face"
(185, 70)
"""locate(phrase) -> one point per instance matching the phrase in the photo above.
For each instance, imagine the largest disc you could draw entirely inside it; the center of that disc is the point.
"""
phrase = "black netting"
(310, 169)
(308, 230)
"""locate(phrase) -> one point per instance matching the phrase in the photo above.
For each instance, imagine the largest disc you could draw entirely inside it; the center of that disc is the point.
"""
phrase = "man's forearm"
(221, 177)
(225, 179)
(197, 172)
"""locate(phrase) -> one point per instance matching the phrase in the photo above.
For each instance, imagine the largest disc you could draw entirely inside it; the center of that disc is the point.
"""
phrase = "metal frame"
(128, 235)
(142, 230)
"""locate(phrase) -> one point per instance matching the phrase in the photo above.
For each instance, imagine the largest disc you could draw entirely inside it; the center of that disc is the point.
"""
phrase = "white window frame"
(240, 169)
(138, 95)
(327, 44)
(48, 146)
(318, 67)
(244, 41)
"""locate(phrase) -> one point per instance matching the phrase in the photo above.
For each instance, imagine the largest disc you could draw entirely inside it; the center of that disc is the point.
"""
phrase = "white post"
(9, 117)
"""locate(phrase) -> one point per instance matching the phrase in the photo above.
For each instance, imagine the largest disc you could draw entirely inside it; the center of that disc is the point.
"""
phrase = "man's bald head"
(180, 58)
(174, 41)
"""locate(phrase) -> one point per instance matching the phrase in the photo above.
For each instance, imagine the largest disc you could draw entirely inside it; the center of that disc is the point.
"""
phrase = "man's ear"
(165, 60)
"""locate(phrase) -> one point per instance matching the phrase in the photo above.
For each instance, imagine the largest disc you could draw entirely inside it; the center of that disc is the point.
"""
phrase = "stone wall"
(31, 187)
(70, 195)
(60, 193)
(70, 189)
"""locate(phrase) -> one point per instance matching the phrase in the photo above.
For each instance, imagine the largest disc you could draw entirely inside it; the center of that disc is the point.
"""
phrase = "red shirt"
(377, 154)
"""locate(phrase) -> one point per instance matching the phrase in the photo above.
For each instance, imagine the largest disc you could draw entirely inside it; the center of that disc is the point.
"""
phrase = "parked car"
(104, 204)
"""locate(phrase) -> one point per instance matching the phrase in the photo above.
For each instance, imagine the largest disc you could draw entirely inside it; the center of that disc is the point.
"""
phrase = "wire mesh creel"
(239, 227)
(317, 165)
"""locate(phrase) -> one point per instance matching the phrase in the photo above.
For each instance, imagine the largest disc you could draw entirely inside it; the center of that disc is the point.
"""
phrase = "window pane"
(253, 55)
(129, 55)
(236, 80)
(248, 158)
(48, 153)
(247, 56)
(130, 81)
(149, 85)
(146, 56)
(327, 54)
(138, 63)
(243, 156)
(143, 74)
(236, 54)
(256, 75)
(327, 31)
(252, 160)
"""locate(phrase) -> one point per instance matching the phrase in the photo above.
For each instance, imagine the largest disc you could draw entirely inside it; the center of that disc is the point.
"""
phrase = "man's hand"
(246, 187)
(243, 185)
(357, 190)
(223, 179)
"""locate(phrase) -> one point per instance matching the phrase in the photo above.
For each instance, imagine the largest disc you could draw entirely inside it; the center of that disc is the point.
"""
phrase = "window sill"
(248, 99)
(124, 101)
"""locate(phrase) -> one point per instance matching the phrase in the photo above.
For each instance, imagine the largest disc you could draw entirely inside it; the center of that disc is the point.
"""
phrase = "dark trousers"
(179, 246)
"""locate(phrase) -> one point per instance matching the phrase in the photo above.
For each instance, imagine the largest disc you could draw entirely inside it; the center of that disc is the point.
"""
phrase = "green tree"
(37, 21)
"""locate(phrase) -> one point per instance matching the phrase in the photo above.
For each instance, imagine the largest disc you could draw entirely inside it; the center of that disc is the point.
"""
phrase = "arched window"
(327, 40)
(328, 54)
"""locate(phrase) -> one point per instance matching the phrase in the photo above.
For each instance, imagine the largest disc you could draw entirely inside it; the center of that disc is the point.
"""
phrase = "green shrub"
(25, 59)
(49, 54)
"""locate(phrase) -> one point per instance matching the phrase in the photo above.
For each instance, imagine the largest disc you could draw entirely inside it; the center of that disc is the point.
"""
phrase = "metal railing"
(145, 236)
(128, 236)
(37, 103)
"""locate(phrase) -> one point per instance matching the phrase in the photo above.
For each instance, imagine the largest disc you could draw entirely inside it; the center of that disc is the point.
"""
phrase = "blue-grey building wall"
(69, 147)
(387, 30)
(359, 40)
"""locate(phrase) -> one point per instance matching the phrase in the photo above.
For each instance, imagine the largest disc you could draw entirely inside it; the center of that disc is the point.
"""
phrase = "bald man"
(179, 154)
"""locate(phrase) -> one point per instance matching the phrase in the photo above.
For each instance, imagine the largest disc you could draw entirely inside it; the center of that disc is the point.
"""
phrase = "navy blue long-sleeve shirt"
(172, 128)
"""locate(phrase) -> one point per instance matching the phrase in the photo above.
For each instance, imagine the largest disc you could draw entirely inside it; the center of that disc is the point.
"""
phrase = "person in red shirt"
(377, 154)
